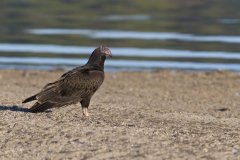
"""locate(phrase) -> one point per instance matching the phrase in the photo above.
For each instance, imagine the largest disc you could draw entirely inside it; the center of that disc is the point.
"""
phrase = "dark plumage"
(77, 85)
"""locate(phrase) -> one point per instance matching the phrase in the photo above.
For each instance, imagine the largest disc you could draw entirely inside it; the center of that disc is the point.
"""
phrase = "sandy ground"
(150, 115)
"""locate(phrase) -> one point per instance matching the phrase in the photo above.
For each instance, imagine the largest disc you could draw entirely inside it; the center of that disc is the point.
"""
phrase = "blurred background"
(142, 34)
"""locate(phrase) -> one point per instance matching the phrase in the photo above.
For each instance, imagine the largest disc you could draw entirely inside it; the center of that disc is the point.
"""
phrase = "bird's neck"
(96, 60)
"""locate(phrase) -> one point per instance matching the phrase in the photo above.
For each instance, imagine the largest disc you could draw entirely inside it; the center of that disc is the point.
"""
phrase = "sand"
(136, 115)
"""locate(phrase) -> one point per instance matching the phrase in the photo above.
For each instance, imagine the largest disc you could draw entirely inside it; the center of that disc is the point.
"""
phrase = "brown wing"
(71, 87)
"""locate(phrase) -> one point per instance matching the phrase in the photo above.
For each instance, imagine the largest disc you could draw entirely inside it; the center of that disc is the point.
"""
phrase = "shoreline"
(165, 114)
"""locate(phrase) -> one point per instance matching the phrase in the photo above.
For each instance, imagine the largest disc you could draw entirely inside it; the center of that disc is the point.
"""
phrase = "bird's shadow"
(14, 108)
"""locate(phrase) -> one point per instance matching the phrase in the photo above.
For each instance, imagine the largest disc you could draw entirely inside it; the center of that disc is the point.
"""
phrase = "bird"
(76, 85)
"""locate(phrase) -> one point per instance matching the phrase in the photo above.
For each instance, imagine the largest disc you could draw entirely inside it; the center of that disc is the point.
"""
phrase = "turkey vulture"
(76, 85)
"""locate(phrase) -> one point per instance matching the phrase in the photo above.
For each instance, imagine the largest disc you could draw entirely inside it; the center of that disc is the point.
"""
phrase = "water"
(111, 65)
(127, 18)
(121, 64)
(230, 21)
(118, 34)
(128, 58)
(186, 35)
(117, 51)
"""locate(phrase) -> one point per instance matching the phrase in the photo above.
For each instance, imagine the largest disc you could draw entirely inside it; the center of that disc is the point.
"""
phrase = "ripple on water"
(119, 34)
(111, 65)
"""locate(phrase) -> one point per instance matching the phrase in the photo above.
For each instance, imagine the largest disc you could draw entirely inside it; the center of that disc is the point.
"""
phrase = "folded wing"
(71, 87)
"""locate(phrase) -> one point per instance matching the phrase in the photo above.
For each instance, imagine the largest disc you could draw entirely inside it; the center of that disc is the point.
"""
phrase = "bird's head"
(104, 51)
(98, 56)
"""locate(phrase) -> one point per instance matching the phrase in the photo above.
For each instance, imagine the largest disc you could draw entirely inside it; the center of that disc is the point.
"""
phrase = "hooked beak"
(105, 50)
(108, 53)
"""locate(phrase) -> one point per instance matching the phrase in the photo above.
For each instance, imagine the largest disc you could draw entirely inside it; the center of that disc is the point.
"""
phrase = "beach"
(163, 114)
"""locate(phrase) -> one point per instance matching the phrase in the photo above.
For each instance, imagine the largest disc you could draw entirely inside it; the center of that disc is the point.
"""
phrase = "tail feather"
(37, 107)
(30, 99)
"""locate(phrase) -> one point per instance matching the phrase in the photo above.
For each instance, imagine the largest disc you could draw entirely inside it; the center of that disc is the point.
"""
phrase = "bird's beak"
(109, 53)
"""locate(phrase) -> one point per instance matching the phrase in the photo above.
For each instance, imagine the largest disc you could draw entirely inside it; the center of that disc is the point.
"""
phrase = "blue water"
(118, 34)
(122, 64)
(128, 58)
(188, 35)
(117, 51)
(111, 65)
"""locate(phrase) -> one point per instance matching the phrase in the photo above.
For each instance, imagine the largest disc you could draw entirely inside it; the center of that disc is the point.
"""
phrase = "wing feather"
(72, 86)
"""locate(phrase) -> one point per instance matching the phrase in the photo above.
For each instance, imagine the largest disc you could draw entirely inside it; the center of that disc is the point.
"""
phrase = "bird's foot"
(87, 114)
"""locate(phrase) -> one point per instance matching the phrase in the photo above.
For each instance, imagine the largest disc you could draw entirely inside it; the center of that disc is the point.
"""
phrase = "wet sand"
(148, 115)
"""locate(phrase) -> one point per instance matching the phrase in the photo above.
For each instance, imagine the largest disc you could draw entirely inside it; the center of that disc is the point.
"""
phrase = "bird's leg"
(85, 104)
(85, 111)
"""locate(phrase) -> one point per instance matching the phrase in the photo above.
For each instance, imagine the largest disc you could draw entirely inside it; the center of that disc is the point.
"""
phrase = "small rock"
(131, 125)
(222, 109)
